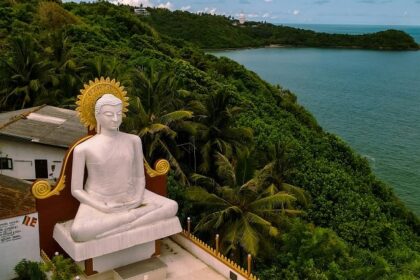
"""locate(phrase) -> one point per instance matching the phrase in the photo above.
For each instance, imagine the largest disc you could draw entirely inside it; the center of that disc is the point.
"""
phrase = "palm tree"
(246, 215)
(156, 117)
(26, 75)
(101, 67)
(217, 133)
(67, 80)
(274, 171)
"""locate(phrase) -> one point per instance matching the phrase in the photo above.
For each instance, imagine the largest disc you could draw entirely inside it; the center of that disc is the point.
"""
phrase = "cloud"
(321, 2)
(268, 1)
(244, 2)
(146, 3)
(168, 5)
(185, 8)
(208, 10)
(266, 15)
(296, 12)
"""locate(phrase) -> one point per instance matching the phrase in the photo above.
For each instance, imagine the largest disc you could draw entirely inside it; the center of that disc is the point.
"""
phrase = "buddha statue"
(113, 199)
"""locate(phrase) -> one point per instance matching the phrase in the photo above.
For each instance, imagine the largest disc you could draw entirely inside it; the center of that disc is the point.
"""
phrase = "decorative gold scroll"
(42, 189)
(161, 168)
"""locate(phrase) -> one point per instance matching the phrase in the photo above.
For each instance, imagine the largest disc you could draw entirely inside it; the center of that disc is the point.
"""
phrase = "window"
(6, 163)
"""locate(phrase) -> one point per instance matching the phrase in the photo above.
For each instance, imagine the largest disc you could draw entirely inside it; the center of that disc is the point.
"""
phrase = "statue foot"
(143, 210)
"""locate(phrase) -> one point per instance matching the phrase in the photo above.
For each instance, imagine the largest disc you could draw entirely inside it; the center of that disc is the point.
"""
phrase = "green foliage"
(52, 15)
(29, 270)
(62, 268)
(218, 32)
(155, 115)
(245, 212)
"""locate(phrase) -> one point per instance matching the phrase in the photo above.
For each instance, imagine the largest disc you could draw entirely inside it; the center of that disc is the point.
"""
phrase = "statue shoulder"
(135, 139)
(80, 148)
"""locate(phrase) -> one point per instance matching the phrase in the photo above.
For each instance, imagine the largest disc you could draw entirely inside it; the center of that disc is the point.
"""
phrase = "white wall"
(24, 154)
(18, 241)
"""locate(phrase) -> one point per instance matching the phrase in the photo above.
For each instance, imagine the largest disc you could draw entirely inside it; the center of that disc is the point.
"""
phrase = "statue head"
(108, 112)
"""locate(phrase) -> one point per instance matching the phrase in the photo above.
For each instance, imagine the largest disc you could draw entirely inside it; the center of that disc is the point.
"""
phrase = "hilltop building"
(141, 11)
(242, 18)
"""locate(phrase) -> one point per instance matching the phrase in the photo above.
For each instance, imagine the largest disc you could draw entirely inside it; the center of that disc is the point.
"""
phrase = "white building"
(242, 18)
(19, 230)
(141, 11)
(34, 141)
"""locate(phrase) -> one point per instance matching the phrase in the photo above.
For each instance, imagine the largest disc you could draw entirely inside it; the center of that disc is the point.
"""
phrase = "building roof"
(16, 198)
(43, 124)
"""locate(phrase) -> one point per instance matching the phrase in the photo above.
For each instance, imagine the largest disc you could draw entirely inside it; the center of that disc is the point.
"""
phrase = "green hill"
(218, 32)
(353, 227)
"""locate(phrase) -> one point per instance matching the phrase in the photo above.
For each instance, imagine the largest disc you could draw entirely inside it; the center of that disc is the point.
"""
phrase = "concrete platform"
(181, 265)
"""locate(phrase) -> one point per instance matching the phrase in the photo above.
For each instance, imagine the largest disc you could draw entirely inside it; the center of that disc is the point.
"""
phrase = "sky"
(375, 12)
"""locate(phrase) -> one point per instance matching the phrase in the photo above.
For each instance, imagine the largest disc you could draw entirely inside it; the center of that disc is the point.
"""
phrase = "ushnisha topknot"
(106, 99)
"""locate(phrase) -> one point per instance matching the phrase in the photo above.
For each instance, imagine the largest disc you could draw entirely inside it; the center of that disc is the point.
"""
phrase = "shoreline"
(280, 46)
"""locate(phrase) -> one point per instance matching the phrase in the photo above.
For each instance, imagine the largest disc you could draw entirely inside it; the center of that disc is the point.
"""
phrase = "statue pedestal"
(121, 258)
(151, 269)
(119, 249)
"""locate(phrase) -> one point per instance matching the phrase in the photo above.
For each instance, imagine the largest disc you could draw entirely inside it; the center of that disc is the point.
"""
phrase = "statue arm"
(78, 172)
(139, 178)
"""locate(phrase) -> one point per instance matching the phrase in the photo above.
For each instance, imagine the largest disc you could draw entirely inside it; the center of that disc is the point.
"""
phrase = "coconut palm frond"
(299, 193)
(225, 170)
(207, 182)
(273, 201)
(176, 116)
(250, 238)
(174, 163)
(203, 197)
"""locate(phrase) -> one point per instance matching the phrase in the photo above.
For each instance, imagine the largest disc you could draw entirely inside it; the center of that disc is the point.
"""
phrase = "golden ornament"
(91, 92)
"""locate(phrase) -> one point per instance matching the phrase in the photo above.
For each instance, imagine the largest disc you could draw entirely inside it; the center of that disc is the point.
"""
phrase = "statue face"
(110, 117)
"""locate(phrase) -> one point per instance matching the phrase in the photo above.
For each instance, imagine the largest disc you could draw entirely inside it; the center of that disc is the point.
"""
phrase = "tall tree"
(67, 79)
(155, 115)
(217, 133)
(246, 215)
(26, 76)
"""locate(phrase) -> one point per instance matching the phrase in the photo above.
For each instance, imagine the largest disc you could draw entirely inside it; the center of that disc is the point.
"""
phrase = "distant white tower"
(242, 18)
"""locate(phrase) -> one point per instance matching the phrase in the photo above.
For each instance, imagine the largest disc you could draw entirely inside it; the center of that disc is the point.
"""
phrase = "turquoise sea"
(371, 99)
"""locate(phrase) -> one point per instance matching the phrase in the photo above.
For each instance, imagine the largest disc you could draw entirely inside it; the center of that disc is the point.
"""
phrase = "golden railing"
(246, 273)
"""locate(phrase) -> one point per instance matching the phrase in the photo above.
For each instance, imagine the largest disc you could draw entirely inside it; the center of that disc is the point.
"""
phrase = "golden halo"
(91, 92)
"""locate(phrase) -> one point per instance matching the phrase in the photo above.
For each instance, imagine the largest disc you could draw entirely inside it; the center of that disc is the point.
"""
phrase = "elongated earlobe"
(98, 128)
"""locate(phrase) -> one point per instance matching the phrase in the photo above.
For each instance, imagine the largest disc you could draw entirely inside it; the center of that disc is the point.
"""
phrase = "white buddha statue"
(114, 198)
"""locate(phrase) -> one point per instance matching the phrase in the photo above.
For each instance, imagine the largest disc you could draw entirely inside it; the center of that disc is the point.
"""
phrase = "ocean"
(371, 99)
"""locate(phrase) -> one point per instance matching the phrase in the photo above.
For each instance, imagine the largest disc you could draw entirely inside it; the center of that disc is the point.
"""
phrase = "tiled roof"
(15, 197)
(43, 124)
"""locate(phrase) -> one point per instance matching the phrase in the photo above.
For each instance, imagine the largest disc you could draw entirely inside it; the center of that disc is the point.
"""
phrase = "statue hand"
(120, 206)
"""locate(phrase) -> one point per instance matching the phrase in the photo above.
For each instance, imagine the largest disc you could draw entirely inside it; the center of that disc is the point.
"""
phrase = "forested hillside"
(248, 162)
(218, 32)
